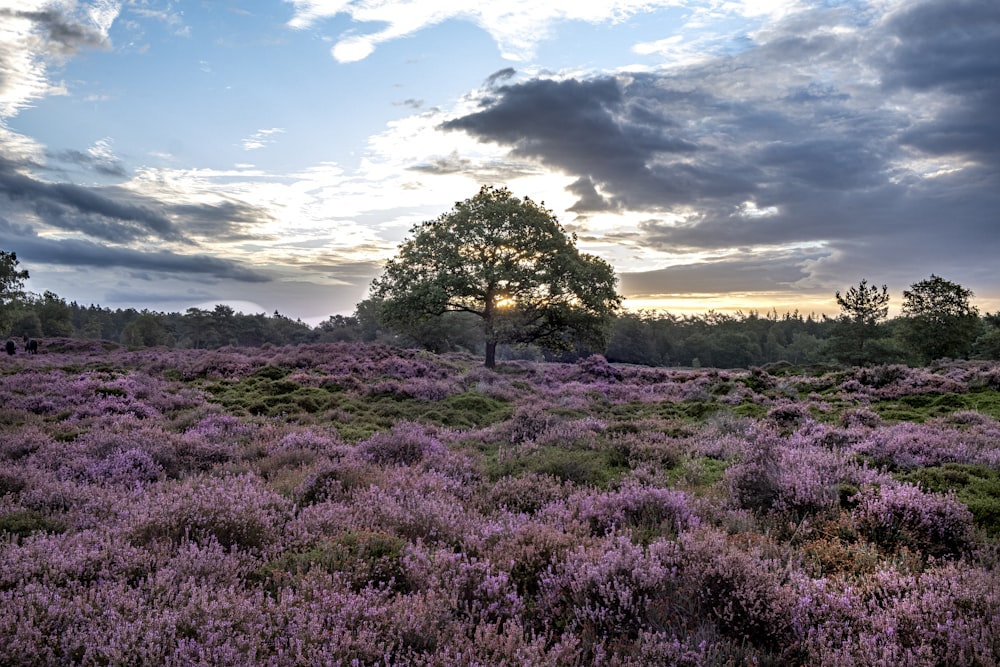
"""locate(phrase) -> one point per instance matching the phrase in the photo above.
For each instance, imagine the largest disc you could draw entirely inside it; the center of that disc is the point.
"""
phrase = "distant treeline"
(755, 339)
(650, 338)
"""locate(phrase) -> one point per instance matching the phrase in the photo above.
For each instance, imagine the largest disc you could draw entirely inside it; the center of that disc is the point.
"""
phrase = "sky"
(726, 155)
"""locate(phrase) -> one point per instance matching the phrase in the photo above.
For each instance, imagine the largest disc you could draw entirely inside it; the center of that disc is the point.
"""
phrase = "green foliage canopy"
(940, 320)
(11, 285)
(863, 309)
(507, 261)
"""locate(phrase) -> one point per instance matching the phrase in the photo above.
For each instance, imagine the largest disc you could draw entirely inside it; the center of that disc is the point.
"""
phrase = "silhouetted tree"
(510, 263)
(863, 309)
(940, 320)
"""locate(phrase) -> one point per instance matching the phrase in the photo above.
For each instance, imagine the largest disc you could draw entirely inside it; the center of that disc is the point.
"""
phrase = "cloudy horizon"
(721, 155)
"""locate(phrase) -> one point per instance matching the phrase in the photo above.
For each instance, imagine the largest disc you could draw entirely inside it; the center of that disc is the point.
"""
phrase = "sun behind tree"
(507, 261)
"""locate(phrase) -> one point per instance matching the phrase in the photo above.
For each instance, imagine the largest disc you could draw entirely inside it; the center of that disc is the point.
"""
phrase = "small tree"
(940, 321)
(11, 285)
(863, 309)
(55, 315)
(987, 346)
(507, 261)
(147, 330)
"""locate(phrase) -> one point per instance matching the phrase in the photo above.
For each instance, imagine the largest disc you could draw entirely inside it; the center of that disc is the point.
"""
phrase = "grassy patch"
(269, 393)
(368, 558)
(975, 485)
(22, 523)
(919, 408)
(586, 467)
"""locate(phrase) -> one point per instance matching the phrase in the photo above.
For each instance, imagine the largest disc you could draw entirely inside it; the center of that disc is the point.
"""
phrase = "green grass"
(269, 393)
(918, 408)
(368, 558)
(975, 485)
(586, 467)
(22, 523)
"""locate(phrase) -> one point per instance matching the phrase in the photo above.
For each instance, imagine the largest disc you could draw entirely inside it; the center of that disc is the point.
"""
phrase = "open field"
(351, 504)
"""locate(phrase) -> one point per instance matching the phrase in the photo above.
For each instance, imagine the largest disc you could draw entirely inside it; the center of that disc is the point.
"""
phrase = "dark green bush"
(25, 522)
(366, 558)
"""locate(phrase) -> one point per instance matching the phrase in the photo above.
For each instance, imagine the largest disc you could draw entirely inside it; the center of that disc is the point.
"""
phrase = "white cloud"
(261, 138)
(103, 13)
(516, 25)
(29, 47)
(353, 49)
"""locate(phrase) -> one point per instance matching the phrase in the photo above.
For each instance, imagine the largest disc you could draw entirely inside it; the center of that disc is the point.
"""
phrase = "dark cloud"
(871, 146)
(495, 172)
(500, 75)
(952, 48)
(589, 199)
(590, 128)
(746, 272)
(950, 45)
(228, 220)
(77, 253)
(101, 165)
(445, 164)
(121, 216)
(64, 35)
(88, 210)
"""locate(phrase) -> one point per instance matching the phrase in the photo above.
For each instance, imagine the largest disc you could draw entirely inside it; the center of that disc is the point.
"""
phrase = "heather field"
(348, 504)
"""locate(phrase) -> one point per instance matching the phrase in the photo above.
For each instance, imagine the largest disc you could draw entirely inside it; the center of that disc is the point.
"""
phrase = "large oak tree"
(508, 261)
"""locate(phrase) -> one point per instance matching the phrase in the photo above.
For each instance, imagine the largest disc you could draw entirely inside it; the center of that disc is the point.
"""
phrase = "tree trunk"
(491, 340)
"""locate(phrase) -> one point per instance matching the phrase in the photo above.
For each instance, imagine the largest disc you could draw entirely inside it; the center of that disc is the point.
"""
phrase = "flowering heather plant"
(946, 615)
(422, 388)
(527, 493)
(407, 443)
(125, 467)
(646, 511)
(424, 507)
(237, 512)
(336, 479)
(144, 519)
(907, 446)
(304, 440)
(898, 515)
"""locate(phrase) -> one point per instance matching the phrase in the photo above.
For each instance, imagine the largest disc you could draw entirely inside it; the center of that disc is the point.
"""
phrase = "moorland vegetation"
(214, 488)
(348, 503)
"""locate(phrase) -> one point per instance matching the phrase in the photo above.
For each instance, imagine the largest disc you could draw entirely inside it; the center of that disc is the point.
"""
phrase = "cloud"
(77, 253)
(500, 75)
(99, 157)
(839, 142)
(61, 34)
(737, 273)
(517, 27)
(32, 41)
(951, 51)
(89, 210)
(261, 138)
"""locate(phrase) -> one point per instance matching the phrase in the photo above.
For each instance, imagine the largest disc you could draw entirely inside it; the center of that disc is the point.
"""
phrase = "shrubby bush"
(902, 515)
(407, 443)
(647, 511)
(235, 511)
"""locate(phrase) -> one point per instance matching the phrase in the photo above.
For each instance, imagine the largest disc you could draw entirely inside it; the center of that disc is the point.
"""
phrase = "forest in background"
(650, 338)
(938, 321)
